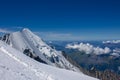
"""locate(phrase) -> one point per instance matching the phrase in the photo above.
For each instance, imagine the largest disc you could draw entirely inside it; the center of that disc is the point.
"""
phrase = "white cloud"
(113, 41)
(116, 50)
(89, 49)
(5, 31)
(115, 54)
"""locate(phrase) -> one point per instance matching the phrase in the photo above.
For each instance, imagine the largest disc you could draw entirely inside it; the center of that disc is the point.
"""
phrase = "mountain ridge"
(33, 46)
(16, 66)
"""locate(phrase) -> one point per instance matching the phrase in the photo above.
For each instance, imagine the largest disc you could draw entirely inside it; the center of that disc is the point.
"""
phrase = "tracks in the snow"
(37, 72)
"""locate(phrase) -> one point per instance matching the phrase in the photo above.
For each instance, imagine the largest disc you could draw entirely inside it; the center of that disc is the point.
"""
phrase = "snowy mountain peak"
(25, 29)
(33, 46)
(15, 65)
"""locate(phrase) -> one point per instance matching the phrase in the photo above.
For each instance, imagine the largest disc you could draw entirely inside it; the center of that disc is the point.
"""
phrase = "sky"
(63, 19)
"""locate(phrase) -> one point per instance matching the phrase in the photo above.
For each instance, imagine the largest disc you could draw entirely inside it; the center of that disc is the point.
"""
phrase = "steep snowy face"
(33, 46)
(14, 65)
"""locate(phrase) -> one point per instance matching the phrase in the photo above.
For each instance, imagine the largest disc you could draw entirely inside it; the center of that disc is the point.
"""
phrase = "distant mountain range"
(93, 57)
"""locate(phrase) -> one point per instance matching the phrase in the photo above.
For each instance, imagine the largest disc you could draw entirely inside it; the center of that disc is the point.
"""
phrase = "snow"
(16, 66)
(25, 39)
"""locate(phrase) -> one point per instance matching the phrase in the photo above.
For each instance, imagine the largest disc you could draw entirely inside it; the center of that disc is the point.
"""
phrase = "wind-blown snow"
(88, 48)
(16, 66)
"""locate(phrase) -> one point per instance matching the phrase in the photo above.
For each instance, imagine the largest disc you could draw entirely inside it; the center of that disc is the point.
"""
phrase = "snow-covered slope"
(16, 66)
(33, 46)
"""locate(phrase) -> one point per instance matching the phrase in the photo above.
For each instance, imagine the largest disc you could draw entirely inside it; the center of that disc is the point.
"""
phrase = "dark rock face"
(5, 38)
(104, 75)
(29, 53)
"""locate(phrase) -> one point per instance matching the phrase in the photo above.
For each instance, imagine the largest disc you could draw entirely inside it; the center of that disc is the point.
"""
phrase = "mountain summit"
(33, 46)
(15, 65)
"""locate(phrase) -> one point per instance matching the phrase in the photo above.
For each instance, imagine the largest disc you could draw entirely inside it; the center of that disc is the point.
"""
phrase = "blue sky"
(63, 19)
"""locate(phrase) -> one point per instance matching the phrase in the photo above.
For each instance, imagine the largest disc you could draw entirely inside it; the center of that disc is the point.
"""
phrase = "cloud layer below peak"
(89, 49)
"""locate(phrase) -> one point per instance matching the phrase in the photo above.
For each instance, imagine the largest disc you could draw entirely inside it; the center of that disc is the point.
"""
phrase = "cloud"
(115, 54)
(5, 31)
(113, 41)
(56, 36)
(89, 49)
(116, 50)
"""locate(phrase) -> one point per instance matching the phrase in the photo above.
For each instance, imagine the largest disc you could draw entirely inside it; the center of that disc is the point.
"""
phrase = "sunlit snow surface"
(16, 66)
(26, 39)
